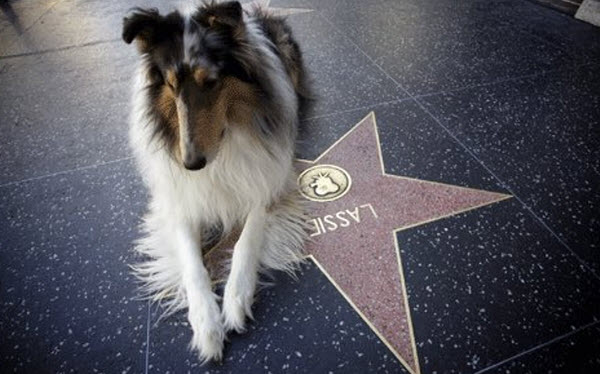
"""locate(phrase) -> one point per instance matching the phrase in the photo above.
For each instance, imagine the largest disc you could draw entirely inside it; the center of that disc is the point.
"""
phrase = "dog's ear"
(141, 25)
(223, 15)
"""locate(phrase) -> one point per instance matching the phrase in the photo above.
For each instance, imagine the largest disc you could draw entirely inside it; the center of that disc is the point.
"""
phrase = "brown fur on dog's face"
(204, 107)
(201, 114)
(197, 88)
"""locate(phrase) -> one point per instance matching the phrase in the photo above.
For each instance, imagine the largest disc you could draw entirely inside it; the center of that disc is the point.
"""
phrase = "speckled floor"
(483, 114)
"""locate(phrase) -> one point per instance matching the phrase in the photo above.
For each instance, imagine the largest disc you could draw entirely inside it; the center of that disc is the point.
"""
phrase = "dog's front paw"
(208, 335)
(237, 305)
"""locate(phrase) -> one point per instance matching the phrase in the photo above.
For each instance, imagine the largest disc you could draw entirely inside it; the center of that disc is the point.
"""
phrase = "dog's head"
(198, 81)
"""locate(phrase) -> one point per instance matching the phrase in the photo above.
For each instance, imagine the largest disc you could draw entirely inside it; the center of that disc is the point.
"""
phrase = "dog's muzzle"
(194, 162)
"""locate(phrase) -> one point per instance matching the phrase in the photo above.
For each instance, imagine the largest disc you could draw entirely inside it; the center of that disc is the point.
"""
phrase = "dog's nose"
(194, 162)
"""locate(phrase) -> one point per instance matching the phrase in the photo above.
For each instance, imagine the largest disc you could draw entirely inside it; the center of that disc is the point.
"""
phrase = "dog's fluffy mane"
(254, 163)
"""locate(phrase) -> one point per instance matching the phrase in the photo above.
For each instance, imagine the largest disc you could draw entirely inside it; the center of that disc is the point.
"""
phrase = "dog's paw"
(208, 336)
(237, 305)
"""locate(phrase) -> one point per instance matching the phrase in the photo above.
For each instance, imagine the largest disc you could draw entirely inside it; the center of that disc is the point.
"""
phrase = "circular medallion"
(324, 183)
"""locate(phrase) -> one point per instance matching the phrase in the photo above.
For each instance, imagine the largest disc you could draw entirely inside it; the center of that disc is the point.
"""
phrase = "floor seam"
(509, 24)
(503, 80)
(464, 146)
(147, 358)
(452, 90)
(510, 190)
(60, 49)
(381, 103)
(539, 346)
(549, 43)
(544, 41)
(35, 22)
(62, 172)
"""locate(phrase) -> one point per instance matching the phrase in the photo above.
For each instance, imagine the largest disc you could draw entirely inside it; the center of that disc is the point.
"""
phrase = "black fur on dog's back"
(288, 50)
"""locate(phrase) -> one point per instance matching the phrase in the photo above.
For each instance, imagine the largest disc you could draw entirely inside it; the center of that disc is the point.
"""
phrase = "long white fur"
(246, 184)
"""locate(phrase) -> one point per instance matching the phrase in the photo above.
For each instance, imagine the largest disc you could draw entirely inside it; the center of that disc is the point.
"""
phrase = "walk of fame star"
(354, 230)
(357, 209)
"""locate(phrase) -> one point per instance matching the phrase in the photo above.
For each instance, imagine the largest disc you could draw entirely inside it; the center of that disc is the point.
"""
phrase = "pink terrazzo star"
(355, 221)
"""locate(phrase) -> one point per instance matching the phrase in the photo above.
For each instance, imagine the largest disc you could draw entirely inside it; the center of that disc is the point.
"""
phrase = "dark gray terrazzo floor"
(500, 95)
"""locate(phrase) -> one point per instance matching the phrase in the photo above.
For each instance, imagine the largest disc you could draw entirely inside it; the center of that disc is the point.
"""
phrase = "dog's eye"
(204, 78)
(210, 82)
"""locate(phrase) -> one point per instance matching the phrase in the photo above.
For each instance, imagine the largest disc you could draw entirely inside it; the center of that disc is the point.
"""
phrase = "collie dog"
(216, 104)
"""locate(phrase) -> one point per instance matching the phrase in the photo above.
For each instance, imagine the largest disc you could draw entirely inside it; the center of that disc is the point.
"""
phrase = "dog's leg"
(241, 284)
(203, 312)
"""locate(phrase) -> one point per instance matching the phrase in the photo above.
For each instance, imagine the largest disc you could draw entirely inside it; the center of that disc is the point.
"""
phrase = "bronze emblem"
(324, 183)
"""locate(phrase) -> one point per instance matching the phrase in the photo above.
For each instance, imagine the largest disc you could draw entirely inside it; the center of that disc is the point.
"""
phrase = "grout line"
(510, 190)
(549, 342)
(503, 80)
(41, 16)
(60, 49)
(524, 30)
(147, 340)
(33, 23)
(467, 149)
(450, 91)
(65, 172)
(544, 41)
(355, 109)
(539, 7)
